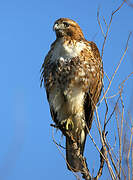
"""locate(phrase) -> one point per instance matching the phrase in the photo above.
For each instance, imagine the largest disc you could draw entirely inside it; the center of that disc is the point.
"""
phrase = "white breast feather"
(65, 51)
(74, 95)
(76, 100)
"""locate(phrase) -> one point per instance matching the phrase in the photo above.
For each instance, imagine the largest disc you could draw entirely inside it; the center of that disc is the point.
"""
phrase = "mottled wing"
(48, 82)
(95, 86)
(45, 68)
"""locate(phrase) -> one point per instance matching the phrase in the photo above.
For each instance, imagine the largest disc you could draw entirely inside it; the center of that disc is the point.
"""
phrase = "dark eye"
(66, 24)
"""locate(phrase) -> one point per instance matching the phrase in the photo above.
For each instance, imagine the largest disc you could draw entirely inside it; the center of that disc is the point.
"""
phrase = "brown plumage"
(72, 73)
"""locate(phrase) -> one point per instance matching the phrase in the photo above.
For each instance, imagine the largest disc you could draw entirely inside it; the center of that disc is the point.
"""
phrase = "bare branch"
(84, 168)
(112, 111)
(116, 69)
(120, 139)
(100, 23)
(132, 157)
(102, 137)
(105, 22)
(128, 155)
(101, 164)
(129, 3)
(112, 160)
(58, 147)
(106, 76)
(105, 38)
(122, 84)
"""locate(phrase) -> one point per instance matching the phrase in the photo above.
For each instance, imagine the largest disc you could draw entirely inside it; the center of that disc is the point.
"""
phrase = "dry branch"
(116, 69)
(84, 171)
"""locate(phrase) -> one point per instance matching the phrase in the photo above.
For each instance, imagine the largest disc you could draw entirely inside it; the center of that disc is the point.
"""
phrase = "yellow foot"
(68, 124)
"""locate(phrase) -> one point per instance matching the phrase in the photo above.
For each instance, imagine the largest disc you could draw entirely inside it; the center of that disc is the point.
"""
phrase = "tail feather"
(72, 155)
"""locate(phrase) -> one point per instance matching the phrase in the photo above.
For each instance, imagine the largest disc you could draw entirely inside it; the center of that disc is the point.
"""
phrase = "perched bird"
(72, 73)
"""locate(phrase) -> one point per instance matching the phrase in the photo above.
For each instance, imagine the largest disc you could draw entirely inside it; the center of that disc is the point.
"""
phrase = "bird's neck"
(71, 38)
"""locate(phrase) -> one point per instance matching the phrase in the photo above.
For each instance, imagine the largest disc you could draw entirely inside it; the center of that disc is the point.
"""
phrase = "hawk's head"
(67, 27)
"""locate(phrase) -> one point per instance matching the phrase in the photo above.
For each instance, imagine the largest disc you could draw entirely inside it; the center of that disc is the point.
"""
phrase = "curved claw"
(67, 124)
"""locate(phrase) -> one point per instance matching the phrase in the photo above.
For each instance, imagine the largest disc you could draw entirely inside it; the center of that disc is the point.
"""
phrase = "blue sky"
(26, 147)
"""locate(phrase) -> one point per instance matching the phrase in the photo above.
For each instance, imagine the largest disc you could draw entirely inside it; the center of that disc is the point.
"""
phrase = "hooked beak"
(56, 27)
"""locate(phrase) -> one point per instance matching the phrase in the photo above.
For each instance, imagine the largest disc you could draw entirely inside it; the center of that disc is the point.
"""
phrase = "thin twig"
(105, 119)
(106, 76)
(116, 69)
(118, 130)
(100, 23)
(111, 148)
(132, 158)
(128, 154)
(112, 111)
(121, 133)
(112, 160)
(129, 3)
(102, 156)
(113, 13)
(112, 96)
(104, 147)
(101, 164)
(122, 83)
(105, 22)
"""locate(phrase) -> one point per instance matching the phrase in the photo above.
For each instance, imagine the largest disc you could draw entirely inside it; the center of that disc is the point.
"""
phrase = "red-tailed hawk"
(72, 73)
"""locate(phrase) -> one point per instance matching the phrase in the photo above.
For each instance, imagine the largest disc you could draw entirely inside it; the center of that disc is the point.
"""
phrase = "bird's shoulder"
(92, 50)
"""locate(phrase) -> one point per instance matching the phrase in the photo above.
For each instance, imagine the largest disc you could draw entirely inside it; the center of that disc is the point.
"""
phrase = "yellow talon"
(69, 124)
